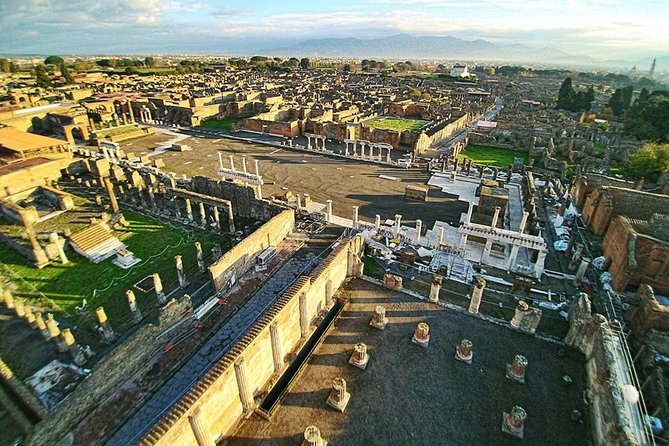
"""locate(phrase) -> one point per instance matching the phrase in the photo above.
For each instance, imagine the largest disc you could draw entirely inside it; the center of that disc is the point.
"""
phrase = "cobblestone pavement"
(302, 262)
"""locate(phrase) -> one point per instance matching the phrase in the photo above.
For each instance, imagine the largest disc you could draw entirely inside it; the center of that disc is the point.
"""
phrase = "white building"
(459, 71)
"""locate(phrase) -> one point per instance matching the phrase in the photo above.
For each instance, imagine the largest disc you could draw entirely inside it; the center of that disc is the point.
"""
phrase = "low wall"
(215, 400)
(242, 256)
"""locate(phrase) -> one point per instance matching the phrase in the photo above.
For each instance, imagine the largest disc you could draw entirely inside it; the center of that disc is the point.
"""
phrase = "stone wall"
(243, 198)
(225, 271)
(19, 180)
(107, 375)
(216, 399)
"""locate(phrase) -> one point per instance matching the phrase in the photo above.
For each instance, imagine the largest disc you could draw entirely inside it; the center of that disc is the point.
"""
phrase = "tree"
(42, 79)
(649, 118)
(414, 94)
(650, 161)
(66, 74)
(5, 65)
(53, 60)
(621, 99)
(347, 68)
(13, 68)
(426, 96)
(566, 95)
(150, 62)
(304, 63)
(131, 70)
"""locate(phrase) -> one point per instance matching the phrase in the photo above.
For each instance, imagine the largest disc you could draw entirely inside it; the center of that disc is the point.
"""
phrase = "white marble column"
(419, 229)
(328, 211)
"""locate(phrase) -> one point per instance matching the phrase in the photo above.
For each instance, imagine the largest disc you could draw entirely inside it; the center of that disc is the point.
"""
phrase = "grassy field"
(495, 156)
(397, 124)
(224, 124)
(65, 286)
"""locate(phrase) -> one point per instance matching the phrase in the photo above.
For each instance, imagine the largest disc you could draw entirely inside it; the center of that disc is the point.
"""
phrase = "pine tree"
(566, 96)
(66, 74)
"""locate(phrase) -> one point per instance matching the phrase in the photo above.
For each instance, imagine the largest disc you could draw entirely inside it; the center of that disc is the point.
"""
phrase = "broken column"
(398, 224)
(312, 437)
(377, 222)
(53, 238)
(189, 209)
(105, 329)
(359, 358)
(435, 288)
(339, 397)
(328, 211)
(158, 288)
(463, 352)
(112, 195)
(75, 350)
(19, 308)
(8, 299)
(134, 309)
(54, 333)
(580, 272)
(477, 294)
(422, 335)
(277, 353)
(29, 316)
(419, 229)
(355, 217)
(181, 275)
(203, 214)
(513, 421)
(202, 435)
(516, 370)
(379, 319)
(200, 257)
(440, 241)
(41, 326)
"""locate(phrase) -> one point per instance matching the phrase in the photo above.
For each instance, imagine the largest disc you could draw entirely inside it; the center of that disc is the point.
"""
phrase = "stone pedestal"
(513, 422)
(359, 358)
(435, 288)
(526, 319)
(516, 370)
(379, 319)
(422, 335)
(339, 397)
(463, 352)
(392, 282)
(312, 437)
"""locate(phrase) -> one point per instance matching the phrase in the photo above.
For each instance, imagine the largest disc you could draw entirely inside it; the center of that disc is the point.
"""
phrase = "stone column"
(539, 266)
(379, 319)
(158, 288)
(29, 316)
(232, 163)
(398, 224)
(419, 229)
(486, 251)
(523, 222)
(177, 210)
(203, 214)
(516, 370)
(152, 198)
(495, 217)
(377, 222)
(244, 166)
(54, 333)
(75, 350)
(580, 272)
(435, 288)
(312, 437)
(277, 351)
(200, 431)
(422, 335)
(199, 256)
(189, 209)
(512, 257)
(8, 299)
(134, 309)
(304, 321)
(181, 275)
(105, 329)
(339, 397)
(111, 195)
(463, 352)
(355, 217)
(470, 210)
(328, 211)
(53, 238)
(231, 219)
(359, 358)
(217, 218)
(513, 422)
(477, 295)
(41, 326)
(298, 197)
(245, 393)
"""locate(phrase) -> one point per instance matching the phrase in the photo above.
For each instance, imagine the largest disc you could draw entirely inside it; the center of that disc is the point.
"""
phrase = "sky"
(603, 29)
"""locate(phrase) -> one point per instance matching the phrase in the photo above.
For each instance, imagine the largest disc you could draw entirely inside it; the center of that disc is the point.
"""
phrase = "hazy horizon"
(601, 29)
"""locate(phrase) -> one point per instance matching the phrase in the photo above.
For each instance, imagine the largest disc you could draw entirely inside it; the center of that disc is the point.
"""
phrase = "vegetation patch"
(222, 124)
(397, 124)
(494, 156)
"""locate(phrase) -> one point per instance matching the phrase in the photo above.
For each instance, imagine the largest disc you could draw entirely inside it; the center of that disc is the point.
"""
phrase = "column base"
(507, 428)
(361, 365)
(422, 342)
(341, 405)
(465, 359)
(379, 325)
(510, 376)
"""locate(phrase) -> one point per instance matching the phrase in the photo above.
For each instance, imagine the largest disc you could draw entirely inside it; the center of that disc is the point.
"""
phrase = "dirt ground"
(348, 183)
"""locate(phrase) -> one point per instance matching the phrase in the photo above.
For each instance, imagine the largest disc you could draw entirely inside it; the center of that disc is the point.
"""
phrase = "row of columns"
(353, 144)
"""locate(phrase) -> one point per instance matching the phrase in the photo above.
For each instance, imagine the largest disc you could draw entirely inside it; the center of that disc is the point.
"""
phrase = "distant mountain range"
(404, 46)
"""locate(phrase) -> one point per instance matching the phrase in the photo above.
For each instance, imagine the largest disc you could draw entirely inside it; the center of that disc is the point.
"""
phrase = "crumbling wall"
(107, 375)
(242, 256)
(215, 398)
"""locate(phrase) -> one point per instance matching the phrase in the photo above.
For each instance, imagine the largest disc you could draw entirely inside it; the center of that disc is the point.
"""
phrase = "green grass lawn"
(65, 286)
(495, 156)
(224, 124)
(397, 124)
